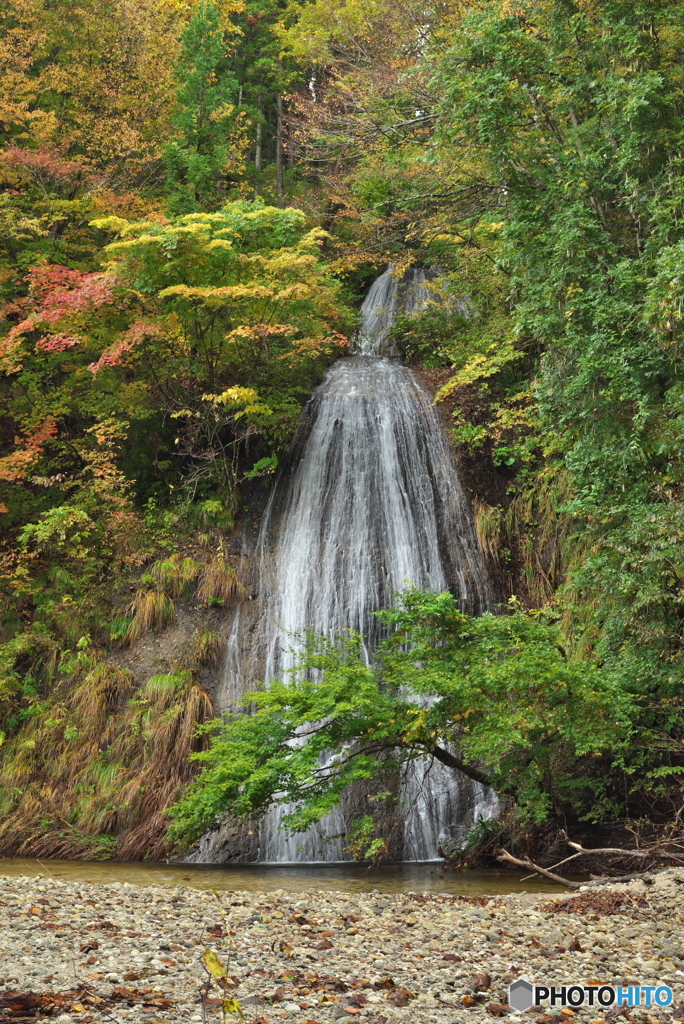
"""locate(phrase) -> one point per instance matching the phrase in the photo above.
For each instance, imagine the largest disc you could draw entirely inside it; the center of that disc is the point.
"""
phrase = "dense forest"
(194, 199)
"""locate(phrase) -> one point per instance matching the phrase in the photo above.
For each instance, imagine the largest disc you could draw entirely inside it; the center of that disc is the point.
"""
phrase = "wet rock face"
(116, 953)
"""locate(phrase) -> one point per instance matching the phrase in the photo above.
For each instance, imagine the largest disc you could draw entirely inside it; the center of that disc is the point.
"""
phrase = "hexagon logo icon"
(520, 995)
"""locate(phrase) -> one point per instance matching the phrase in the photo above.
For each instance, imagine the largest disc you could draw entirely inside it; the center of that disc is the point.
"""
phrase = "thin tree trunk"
(279, 154)
(257, 155)
(290, 148)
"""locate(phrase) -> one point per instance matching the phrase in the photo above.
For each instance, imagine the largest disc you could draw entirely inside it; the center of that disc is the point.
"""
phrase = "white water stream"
(371, 502)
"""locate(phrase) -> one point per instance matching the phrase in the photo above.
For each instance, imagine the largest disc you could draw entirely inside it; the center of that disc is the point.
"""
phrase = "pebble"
(379, 958)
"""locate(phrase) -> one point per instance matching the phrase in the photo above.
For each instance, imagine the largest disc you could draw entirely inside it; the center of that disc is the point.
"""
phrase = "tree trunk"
(257, 156)
(279, 154)
(447, 758)
(290, 148)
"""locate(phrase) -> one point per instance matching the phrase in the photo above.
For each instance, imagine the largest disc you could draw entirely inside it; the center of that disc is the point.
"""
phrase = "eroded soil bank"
(118, 952)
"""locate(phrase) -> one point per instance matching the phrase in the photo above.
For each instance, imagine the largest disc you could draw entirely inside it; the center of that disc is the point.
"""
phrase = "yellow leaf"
(213, 964)
(232, 1006)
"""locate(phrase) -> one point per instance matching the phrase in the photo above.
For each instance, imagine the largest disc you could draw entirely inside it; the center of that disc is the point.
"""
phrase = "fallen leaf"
(498, 1009)
(400, 997)
(120, 992)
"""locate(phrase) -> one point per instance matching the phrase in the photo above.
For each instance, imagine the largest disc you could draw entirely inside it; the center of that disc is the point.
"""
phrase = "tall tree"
(208, 120)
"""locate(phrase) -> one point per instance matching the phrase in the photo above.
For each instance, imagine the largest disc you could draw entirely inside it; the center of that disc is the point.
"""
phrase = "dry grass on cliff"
(207, 648)
(150, 609)
(219, 581)
(91, 776)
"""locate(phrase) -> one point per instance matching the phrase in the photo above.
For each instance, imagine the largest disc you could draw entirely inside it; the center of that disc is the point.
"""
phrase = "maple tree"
(240, 300)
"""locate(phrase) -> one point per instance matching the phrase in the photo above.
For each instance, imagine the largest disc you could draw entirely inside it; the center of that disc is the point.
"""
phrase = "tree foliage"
(161, 329)
(495, 697)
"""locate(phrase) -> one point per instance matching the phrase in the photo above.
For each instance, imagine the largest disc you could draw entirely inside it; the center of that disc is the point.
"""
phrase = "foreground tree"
(494, 697)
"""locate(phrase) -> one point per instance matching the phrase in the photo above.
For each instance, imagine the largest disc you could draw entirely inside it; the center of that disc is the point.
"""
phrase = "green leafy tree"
(573, 111)
(495, 697)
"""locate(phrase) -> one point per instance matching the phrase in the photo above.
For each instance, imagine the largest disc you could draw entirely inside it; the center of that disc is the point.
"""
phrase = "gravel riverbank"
(117, 953)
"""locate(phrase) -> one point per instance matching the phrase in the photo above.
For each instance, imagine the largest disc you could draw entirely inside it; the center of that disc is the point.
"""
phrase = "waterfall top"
(391, 294)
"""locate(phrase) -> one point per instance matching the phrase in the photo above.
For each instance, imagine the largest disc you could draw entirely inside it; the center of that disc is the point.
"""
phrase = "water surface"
(260, 878)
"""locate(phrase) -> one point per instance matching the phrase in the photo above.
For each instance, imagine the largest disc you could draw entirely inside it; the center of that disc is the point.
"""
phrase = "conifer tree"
(207, 119)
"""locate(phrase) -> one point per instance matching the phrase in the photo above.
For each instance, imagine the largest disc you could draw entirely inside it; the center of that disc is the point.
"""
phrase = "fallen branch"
(553, 866)
(609, 849)
(527, 863)
(609, 879)
(642, 854)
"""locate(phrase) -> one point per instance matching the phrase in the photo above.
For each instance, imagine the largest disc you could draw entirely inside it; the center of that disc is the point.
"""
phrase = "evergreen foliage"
(199, 160)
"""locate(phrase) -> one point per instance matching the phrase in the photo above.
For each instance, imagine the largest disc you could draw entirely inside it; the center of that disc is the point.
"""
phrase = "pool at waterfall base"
(389, 878)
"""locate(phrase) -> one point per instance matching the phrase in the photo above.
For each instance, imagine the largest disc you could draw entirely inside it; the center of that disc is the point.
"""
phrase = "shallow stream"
(261, 878)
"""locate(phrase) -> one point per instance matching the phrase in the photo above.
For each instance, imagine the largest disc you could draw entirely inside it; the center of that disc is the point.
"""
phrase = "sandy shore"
(117, 953)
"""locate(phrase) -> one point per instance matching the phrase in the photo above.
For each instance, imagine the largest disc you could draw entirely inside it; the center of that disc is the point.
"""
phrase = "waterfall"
(370, 503)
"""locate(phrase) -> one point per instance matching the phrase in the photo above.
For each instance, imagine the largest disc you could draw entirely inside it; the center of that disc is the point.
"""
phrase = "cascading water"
(371, 503)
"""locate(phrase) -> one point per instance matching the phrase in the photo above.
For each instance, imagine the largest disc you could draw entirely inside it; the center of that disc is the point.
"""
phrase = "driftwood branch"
(553, 866)
(608, 850)
(610, 879)
(527, 863)
(654, 851)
